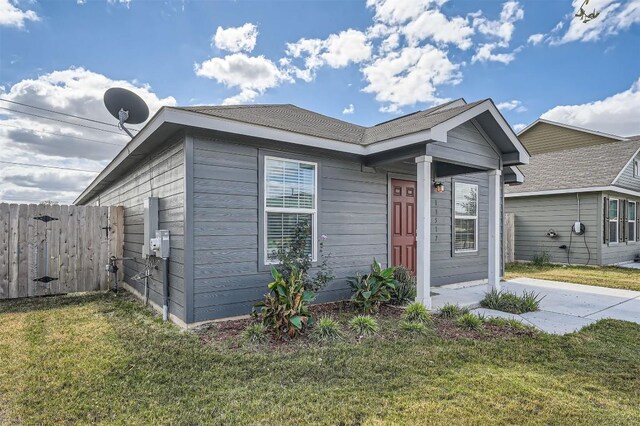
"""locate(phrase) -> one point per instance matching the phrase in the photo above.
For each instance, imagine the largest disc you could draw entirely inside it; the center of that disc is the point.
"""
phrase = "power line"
(62, 113)
(60, 134)
(49, 167)
(63, 121)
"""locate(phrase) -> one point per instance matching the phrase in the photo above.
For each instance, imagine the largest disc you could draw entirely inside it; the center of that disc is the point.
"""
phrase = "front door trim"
(390, 176)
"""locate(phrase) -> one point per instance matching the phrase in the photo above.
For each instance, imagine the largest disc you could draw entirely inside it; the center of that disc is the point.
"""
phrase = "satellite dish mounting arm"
(123, 116)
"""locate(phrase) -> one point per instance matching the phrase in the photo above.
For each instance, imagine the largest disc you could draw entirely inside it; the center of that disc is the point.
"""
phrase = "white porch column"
(494, 230)
(423, 236)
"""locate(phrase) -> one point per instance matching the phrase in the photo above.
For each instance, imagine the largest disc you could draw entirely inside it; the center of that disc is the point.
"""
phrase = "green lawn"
(98, 358)
(609, 276)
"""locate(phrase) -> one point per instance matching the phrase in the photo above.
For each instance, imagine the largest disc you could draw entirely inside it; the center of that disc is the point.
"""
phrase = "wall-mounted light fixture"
(439, 186)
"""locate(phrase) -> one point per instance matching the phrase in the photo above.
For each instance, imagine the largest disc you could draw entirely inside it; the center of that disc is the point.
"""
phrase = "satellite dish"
(126, 106)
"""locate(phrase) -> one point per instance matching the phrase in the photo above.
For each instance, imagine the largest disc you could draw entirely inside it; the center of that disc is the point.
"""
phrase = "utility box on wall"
(150, 224)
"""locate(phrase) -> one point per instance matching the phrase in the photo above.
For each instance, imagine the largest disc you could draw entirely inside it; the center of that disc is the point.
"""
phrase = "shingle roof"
(585, 167)
(299, 120)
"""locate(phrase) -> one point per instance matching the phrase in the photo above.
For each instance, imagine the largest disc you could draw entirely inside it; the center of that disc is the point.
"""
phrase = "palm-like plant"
(373, 289)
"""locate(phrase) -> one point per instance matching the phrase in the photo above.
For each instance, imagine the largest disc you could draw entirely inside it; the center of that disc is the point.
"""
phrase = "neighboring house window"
(613, 221)
(466, 217)
(632, 217)
(289, 199)
(636, 168)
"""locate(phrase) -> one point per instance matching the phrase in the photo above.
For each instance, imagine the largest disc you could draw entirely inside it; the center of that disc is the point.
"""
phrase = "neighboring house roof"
(584, 167)
(543, 136)
(291, 124)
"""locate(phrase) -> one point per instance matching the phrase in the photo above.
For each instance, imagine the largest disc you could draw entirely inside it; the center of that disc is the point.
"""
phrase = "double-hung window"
(632, 217)
(290, 200)
(465, 217)
(613, 220)
(636, 169)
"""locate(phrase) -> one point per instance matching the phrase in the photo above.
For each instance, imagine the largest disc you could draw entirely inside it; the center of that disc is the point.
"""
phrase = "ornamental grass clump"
(327, 330)
(452, 311)
(511, 302)
(255, 334)
(416, 312)
(470, 321)
(364, 325)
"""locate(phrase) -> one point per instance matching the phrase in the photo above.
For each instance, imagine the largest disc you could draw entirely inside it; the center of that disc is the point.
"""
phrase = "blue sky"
(360, 61)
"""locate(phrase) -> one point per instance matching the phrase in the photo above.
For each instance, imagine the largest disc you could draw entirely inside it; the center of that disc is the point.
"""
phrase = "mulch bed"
(229, 332)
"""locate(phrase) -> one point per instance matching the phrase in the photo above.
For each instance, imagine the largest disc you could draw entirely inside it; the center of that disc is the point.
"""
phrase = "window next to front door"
(290, 199)
(613, 220)
(632, 218)
(465, 238)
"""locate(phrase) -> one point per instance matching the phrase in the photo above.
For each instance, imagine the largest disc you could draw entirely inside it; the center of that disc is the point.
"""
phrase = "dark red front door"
(403, 223)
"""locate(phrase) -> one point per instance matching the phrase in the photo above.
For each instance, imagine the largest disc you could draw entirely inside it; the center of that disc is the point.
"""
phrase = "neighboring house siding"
(627, 180)
(162, 176)
(536, 215)
(622, 251)
(544, 137)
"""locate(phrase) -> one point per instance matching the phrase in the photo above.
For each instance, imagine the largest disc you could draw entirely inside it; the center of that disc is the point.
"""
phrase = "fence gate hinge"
(45, 218)
(45, 279)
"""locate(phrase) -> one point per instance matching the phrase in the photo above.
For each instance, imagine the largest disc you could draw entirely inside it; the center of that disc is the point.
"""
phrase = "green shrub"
(327, 329)
(255, 333)
(541, 259)
(414, 327)
(405, 290)
(451, 310)
(364, 325)
(373, 289)
(416, 312)
(469, 321)
(510, 302)
(285, 309)
(295, 257)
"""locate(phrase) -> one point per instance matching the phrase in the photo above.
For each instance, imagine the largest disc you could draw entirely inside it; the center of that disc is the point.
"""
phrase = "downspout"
(165, 289)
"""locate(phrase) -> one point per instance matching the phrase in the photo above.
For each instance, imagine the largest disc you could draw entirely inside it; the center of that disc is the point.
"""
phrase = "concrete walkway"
(565, 308)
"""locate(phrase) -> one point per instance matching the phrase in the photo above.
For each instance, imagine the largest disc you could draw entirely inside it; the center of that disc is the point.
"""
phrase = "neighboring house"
(233, 181)
(577, 175)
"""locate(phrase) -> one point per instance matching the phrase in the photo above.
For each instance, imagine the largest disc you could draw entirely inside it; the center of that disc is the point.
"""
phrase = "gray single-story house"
(424, 190)
(577, 175)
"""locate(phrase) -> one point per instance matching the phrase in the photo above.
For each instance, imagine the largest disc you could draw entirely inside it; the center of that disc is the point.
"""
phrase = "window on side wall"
(465, 236)
(636, 169)
(613, 221)
(290, 199)
(632, 217)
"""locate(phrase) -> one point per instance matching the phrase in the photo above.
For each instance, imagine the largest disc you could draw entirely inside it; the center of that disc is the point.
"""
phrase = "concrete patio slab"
(630, 265)
(492, 313)
(565, 308)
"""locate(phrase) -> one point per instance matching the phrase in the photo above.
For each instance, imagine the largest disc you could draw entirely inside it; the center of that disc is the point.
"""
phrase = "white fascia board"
(516, 171)
(568, 126)
(633, 157)
(574, 190)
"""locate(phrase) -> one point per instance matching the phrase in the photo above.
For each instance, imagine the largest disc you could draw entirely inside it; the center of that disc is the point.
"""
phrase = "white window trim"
(632, 238)
(616, 220)
(636, 169)
(313, 212)
(455, 216)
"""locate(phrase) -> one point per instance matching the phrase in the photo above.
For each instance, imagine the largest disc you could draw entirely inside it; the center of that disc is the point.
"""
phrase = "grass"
(470, 321)
(608, 276)
(103, 359)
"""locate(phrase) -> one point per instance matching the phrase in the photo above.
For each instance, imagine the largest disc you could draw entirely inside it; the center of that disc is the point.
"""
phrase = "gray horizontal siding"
(467, 145)
(162, 176)
(627, 180)
(535, 216)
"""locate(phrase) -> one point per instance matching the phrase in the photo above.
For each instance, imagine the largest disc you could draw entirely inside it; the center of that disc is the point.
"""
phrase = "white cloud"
(28, 139)
(435, 25)
(511, 105)
(485, 53)
(399, 11)
(519, 126)
(251, 74)
(409, 76)
(503, 28)
(617, 114)
(11, 16)
(349, 110)
(535, 38)
(236, 39)
(615, 16)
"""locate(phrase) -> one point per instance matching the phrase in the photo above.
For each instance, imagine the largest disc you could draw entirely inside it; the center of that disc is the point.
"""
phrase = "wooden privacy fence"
(509, 243)
(57, 249)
